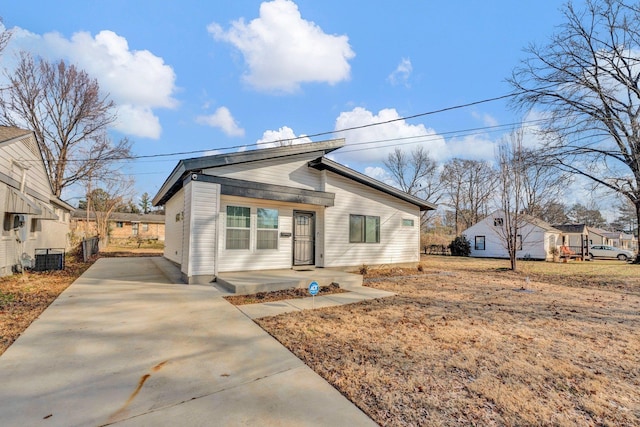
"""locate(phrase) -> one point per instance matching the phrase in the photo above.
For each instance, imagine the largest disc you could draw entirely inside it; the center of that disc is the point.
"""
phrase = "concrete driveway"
(125, 345)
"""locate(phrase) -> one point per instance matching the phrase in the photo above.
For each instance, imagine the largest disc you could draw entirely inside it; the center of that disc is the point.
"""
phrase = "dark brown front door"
(303, 238)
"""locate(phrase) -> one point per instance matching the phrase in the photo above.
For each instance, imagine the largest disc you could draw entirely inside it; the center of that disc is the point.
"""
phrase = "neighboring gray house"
(33, 217)
(283, 207)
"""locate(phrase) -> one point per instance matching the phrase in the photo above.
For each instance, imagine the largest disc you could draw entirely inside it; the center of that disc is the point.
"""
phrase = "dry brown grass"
(467, 343)
(24, 296)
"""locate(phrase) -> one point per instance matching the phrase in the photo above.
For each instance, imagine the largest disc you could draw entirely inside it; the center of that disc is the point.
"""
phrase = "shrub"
(364, 269)
(460, 246)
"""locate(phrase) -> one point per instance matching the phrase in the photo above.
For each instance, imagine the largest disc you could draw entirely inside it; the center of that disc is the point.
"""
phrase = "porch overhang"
(259, 190)
(19, 203)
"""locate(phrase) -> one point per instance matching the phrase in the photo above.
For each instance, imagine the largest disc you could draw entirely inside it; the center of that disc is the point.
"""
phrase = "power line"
(325, 133)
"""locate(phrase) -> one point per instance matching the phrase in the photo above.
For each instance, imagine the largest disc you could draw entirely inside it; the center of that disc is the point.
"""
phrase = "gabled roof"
(572, 228)
(184, 167)
(8, 133)
(323, 163)
(524, 217)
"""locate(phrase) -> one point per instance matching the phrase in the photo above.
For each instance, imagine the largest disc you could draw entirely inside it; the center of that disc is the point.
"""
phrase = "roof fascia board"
(258, 190)
(197, 164)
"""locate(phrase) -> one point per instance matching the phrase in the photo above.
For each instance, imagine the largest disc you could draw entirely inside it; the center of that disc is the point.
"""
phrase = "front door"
(303, 238)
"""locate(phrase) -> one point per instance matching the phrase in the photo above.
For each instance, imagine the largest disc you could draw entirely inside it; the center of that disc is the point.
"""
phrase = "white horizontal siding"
(174, 227)
(205, 199)
(289, 171)
(37, 182)
(254, 259)
(535, 241)
(398, 243)
(186, 224)
(47, 233)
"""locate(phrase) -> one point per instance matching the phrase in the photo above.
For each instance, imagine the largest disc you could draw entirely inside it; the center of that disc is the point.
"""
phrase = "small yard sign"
(314, 288)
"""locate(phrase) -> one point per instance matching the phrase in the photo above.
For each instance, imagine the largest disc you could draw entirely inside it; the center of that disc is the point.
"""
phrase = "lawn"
(466, 342)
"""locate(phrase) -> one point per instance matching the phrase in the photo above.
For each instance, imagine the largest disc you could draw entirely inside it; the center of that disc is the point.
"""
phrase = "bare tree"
(468, 186)
(5, 36)
(69, 116)
(110, 195)
(414, 172)
(512, 194)
(586, 82)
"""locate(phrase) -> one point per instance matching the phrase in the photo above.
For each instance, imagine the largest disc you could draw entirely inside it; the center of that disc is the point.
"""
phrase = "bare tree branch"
(586, 82)
(69, 116)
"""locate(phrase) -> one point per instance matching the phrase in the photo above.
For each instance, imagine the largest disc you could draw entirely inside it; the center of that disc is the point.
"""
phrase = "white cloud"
(222, 119)
(487, 119)
(283, 136)
(283, 50)
(137, 80)
(383, 139)
(139, 121)
(402, 73)
(379, 173)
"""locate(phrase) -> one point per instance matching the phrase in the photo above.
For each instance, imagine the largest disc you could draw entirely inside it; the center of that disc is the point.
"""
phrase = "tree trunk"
(636, 203)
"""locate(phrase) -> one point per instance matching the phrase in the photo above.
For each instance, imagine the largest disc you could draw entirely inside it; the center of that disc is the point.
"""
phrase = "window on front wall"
(119, 224)
(364, 229)
(238, 227)
(519, 242)
(145, 226)
(267, 229)
(479, 243)
(134, 228)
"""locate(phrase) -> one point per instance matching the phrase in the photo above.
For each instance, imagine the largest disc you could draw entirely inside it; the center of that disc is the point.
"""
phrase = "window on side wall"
(267, 229)
(364, 229)
(407, 222)
(498, 222)
(238, 227)
(519, 242)
(479, 243)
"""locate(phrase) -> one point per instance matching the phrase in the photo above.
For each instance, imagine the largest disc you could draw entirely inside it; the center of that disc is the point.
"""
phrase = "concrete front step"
(251, 282)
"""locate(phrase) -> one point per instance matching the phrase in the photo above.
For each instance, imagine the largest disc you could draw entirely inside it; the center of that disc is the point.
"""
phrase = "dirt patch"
(467, 344)
(23, 297)
(292, 293)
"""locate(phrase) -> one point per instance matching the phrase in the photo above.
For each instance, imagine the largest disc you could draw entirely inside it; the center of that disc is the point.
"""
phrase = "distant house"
(33, 217)
(575, 236)
(535, 239)
(597, 236)
(281, 208)
(122, 226)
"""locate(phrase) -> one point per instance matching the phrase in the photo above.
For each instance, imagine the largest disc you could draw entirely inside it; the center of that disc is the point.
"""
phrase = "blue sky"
(212, 75)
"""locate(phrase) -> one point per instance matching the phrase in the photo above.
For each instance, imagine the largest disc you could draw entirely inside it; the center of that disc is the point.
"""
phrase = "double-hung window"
(479, 243)
(267, 229)
(364, 229)
(238, 227)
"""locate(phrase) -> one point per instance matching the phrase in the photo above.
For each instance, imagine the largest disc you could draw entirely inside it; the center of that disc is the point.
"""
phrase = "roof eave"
(174, 182)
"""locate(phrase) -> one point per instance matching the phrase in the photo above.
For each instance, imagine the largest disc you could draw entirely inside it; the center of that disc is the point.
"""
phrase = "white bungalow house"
(535, 239)
(283, 207)
(33, 217)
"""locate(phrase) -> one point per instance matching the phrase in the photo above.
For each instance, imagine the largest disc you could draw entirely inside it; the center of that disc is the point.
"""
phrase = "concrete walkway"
(124, 345)
(355, 294)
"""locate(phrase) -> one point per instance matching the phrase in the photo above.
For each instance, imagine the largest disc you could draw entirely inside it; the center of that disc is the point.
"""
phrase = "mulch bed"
(292, 293)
